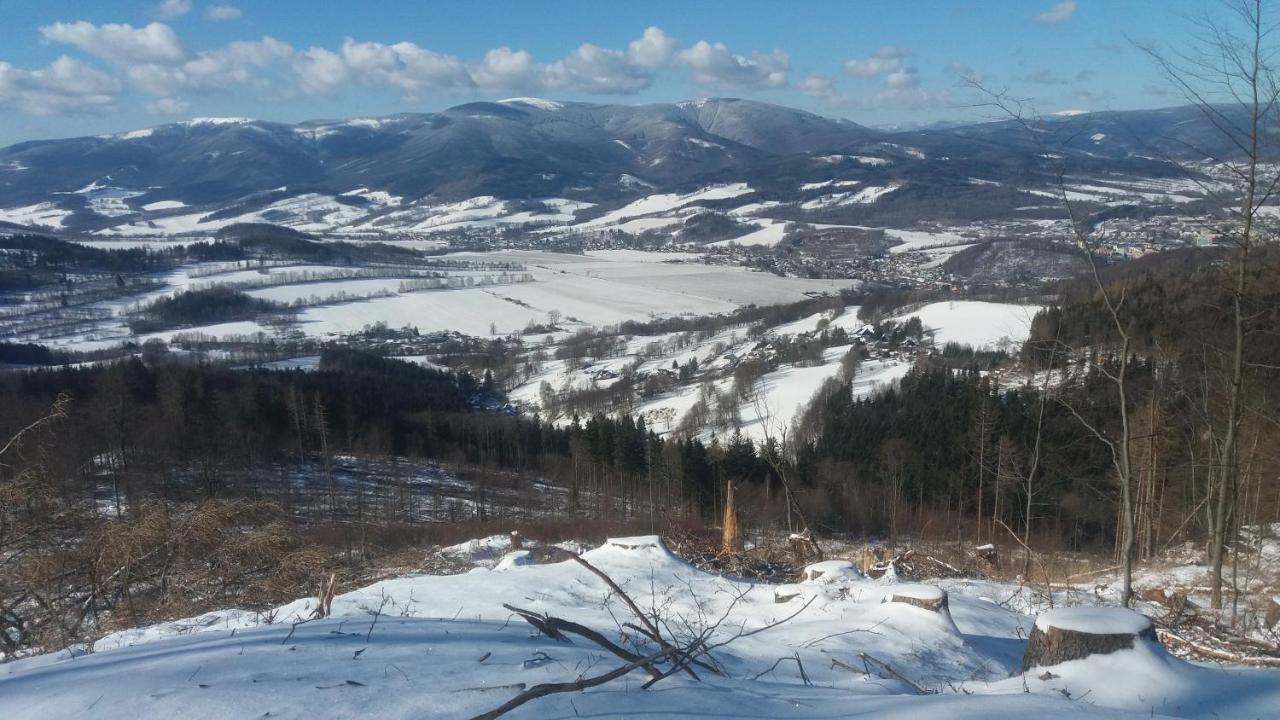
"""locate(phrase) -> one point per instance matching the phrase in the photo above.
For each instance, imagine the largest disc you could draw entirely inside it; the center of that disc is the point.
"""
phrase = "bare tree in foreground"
(777, 446)
(1117, 372)
(1229, 76)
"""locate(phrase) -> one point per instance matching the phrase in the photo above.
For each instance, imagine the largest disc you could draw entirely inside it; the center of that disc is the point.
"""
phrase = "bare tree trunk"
(982, 465)
(322, 427)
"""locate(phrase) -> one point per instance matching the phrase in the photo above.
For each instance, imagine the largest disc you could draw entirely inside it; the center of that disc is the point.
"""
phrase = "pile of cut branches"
(657, 645)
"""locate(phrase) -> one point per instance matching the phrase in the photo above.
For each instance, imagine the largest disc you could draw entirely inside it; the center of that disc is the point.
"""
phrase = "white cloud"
(886, 59)
(405, 66)
(219, 13)
(902, 79)
(505, 69)
(210, 71)
(1060, 12)
(715, 64)
(167, 106)
(653, 49)
(65, 86)
(593, 69)
(121, 44)
(320, 71)
(415, 70)
(817, 85)
(901, 89)
(154, 61)
(171, 9)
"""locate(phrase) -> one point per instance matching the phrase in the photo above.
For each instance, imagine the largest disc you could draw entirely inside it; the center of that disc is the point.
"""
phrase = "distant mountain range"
(534, 149)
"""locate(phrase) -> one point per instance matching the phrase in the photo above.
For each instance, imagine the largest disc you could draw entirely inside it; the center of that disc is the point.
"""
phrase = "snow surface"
(830, 571)
(980, 324)
(600, 288)
(44, 213)
(136, 134)
(217, 121)
(770, 233)
(534, 102)
(865, 196)
(919, 592)
(1095, 621)
(828, 183)
(914, 240)
(443, 646)
(664, 202)
(164, 205)
(514, 559)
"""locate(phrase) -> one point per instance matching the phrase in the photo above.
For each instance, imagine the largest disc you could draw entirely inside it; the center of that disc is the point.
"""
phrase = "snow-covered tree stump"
(787, 593)
(831, 571)
(1077, 633)
(988, 558)
(928, 597)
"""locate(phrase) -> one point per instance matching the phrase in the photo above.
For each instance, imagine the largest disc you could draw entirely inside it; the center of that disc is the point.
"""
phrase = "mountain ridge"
(532, 149)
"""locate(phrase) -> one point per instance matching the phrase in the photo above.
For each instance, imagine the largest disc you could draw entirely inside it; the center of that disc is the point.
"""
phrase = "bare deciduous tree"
(1229, 76)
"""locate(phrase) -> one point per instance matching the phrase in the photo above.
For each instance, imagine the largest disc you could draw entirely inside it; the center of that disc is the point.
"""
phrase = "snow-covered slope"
(444, 647)
(979, 324)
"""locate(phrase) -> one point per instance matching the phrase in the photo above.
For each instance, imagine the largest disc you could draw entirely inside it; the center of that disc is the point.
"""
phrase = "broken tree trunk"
(1077, 633)
(731, 540)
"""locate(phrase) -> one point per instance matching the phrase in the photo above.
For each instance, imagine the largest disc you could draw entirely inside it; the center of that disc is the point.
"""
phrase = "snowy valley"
(715, 408)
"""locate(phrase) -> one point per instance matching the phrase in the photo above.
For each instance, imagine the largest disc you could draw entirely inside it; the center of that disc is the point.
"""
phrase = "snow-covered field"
(427, 646)
(600, 288)
(44, 214)
(914, 240)
(980, 324)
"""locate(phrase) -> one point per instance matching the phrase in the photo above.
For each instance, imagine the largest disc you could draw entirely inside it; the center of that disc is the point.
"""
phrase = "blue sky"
(77, 68)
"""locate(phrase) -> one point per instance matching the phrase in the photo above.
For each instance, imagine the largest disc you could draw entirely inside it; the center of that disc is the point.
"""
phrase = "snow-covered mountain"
(324, 175)
(507, 148)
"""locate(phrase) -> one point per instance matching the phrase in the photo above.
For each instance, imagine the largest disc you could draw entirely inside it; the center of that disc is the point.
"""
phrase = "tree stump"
(1076, 633)
(929, 598)
(831, 571)
(1176, 602)
(926, 597)
(870, 556)
(787, 593)
(988, 558)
